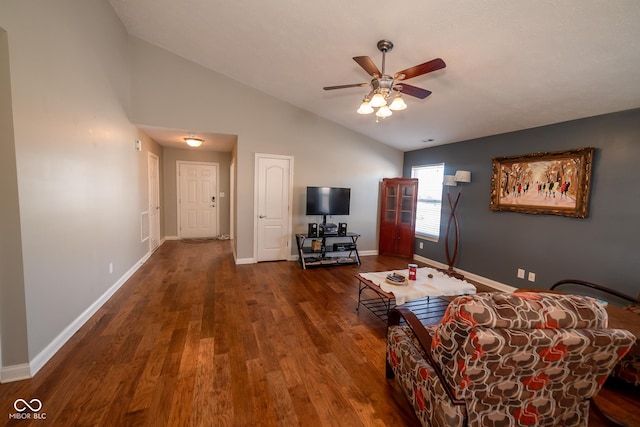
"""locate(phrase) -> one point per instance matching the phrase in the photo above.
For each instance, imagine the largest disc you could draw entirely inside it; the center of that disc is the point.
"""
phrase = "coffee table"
(426, 296)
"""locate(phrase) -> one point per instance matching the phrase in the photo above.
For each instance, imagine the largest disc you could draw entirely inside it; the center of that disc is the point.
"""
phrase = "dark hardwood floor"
(194, 340)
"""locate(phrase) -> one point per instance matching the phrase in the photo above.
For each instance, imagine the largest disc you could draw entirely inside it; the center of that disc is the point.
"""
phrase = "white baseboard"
(368, 253)
(15, 373)
(240, 261)
(171, 238)
(26, 371)
(492, 283)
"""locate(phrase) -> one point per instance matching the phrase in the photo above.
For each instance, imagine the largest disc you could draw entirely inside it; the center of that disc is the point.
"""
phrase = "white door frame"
(232, 199)
(217, 190)
(255, 200)
(153, 157)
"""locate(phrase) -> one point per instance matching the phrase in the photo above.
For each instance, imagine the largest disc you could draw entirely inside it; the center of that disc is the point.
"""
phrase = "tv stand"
(329, 251)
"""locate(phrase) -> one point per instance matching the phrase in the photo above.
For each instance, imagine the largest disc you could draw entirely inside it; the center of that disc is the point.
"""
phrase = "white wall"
(80, 184)
(169, 91)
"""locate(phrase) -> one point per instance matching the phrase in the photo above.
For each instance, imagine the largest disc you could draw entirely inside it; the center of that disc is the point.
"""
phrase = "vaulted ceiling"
(511, 65)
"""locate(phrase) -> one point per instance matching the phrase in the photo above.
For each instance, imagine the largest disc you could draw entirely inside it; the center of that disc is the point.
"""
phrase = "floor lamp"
(452, 181)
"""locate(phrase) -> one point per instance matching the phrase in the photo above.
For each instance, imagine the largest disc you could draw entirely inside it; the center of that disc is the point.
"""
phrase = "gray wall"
(74, 186)
(602, 248)
(81, 185)
(13, 327)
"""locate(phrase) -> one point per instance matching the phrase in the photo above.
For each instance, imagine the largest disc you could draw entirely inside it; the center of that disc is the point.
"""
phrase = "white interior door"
(197, 199)
(154, 202)
(273, 206)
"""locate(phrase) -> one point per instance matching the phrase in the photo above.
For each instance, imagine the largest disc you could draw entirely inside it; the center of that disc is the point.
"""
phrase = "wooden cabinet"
(398, 201)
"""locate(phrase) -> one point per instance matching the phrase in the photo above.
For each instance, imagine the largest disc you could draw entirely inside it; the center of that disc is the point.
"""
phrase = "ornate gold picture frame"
(556, 183)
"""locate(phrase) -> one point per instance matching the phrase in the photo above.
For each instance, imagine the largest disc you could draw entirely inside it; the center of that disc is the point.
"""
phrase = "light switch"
(221, 194)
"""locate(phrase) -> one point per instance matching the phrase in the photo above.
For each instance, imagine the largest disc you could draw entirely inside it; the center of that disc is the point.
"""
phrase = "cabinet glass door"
(406, 208)
(390, 206)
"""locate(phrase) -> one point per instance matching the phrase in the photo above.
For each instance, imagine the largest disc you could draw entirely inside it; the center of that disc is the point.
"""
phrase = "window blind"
(429, 199)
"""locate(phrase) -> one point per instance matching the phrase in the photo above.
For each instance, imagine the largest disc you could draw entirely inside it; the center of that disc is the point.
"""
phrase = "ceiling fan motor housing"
(385, 46)
(384, 84)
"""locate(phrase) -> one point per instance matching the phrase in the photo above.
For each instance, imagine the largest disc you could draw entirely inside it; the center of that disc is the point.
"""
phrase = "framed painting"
(556, 183)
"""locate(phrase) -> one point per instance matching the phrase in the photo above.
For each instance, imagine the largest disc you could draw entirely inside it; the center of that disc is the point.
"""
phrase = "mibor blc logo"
(28, 410)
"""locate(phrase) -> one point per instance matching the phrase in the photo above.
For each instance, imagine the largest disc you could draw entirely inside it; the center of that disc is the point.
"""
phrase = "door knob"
(262, 216)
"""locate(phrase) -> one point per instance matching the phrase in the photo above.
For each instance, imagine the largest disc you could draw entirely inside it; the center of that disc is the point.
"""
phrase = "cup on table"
(413, 270)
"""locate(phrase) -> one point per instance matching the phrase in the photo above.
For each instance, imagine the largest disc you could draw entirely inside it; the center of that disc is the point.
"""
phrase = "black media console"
(327, 250)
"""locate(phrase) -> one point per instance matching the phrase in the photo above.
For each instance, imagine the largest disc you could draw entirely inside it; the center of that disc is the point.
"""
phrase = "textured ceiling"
(511, 65)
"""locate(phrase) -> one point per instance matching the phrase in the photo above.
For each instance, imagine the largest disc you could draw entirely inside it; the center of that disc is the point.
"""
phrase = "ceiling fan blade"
(414, 91)
(418, 70)
(368, 65)
(345, 86)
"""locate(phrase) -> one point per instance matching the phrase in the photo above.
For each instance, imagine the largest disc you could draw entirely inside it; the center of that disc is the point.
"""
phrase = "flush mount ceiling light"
(385, 94)
(192, 141)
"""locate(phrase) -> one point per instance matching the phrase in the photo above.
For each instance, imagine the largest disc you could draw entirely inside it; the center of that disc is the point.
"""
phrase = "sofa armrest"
(425, 341)
(595, 286)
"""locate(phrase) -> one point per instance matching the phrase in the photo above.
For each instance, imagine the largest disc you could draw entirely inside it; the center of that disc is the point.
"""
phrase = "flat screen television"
(328, 201)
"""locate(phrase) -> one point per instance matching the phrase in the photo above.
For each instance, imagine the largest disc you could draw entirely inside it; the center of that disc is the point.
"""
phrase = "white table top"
(424, 286)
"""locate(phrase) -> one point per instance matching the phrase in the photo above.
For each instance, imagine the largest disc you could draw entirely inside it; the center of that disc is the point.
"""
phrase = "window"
(429, 199)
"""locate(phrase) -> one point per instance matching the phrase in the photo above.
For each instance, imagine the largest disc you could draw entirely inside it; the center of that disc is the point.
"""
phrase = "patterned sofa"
(505, 359)
(628, 369)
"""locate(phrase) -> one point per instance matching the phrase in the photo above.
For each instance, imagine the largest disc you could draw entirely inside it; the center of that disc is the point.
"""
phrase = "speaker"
(342, 229)
(313, 230)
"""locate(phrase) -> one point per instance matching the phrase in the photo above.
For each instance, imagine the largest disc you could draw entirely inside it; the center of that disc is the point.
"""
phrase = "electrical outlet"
(520, 273)
(532, 276)
(421, 245)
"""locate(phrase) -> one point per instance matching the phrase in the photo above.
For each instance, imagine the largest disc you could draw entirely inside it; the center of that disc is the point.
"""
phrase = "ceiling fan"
(385, 87)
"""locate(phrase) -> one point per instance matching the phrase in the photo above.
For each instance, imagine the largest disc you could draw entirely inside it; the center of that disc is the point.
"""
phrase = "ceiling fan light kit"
(384, 112)
(365, 107)
(397, 104)
(385, 88)
(378, 100)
